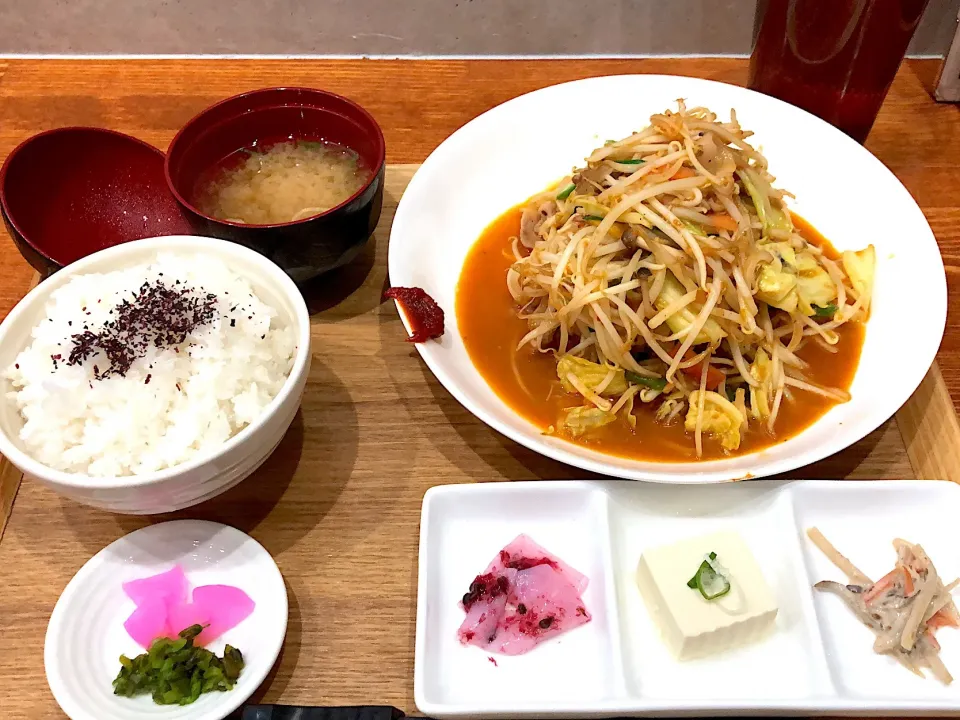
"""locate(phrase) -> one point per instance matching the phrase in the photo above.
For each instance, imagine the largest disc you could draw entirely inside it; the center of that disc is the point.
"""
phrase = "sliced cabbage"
(761, 368)
(582, 419)
(794, 280)
(861, 267)
(648, 395)
(777, 279)
(720, 418)
(590, 374)
(776, 286)
(670, 407)
(814, 286)
(682, 319)
(761, 371)
(768, 208)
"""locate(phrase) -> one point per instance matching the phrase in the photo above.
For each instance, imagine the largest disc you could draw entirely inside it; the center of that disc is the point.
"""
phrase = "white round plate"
(86, 637)
(517, 149)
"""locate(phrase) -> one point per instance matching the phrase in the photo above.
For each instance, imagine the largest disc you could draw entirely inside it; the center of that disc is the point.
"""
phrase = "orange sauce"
(526, 380)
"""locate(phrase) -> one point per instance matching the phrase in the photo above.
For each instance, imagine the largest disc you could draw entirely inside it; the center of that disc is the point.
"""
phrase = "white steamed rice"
(121, 426)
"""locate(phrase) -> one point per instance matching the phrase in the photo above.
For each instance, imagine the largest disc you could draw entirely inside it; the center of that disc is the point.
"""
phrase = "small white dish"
(85, 636)
(460, 532)
(208, 474)
(484, 169)
(818, 661)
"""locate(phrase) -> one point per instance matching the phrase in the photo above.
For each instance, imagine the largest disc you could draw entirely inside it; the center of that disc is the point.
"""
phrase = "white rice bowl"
(173, 403)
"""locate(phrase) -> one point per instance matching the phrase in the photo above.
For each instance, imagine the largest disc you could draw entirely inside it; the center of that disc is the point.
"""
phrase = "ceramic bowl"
(834, 179)
(207, 475)
(305, 248)
(69, 192)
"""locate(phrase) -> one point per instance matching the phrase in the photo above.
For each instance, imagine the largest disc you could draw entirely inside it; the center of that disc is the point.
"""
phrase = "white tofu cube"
(690, 625)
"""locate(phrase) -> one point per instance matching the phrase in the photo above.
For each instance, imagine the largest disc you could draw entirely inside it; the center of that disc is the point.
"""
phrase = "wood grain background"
(338, 504)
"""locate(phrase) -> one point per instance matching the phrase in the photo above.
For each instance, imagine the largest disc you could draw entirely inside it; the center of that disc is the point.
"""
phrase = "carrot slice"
(714, 376)
(723, 221)
(940, 619)
(885, 583)
(683, 172)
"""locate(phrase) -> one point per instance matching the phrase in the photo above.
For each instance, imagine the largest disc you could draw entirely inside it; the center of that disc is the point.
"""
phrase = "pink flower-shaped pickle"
(154, 596)
(170, 587)
(148, 622)
(163, 610)
(219, 607)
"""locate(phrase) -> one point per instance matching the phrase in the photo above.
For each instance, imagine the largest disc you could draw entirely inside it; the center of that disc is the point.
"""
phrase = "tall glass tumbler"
(834, 58)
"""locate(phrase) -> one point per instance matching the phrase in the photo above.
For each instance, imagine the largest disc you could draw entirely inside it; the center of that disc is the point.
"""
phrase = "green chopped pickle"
(824, 310)
(709, 582)
(175, 672)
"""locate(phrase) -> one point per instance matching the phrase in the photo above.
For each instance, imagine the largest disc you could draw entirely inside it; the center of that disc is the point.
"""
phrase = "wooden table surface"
(338, 504)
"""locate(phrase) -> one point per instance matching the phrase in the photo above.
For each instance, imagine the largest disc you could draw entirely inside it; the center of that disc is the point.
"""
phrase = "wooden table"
(338, 504)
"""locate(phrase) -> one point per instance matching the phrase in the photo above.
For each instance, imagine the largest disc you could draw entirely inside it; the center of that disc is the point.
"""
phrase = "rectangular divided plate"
(819, 661)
